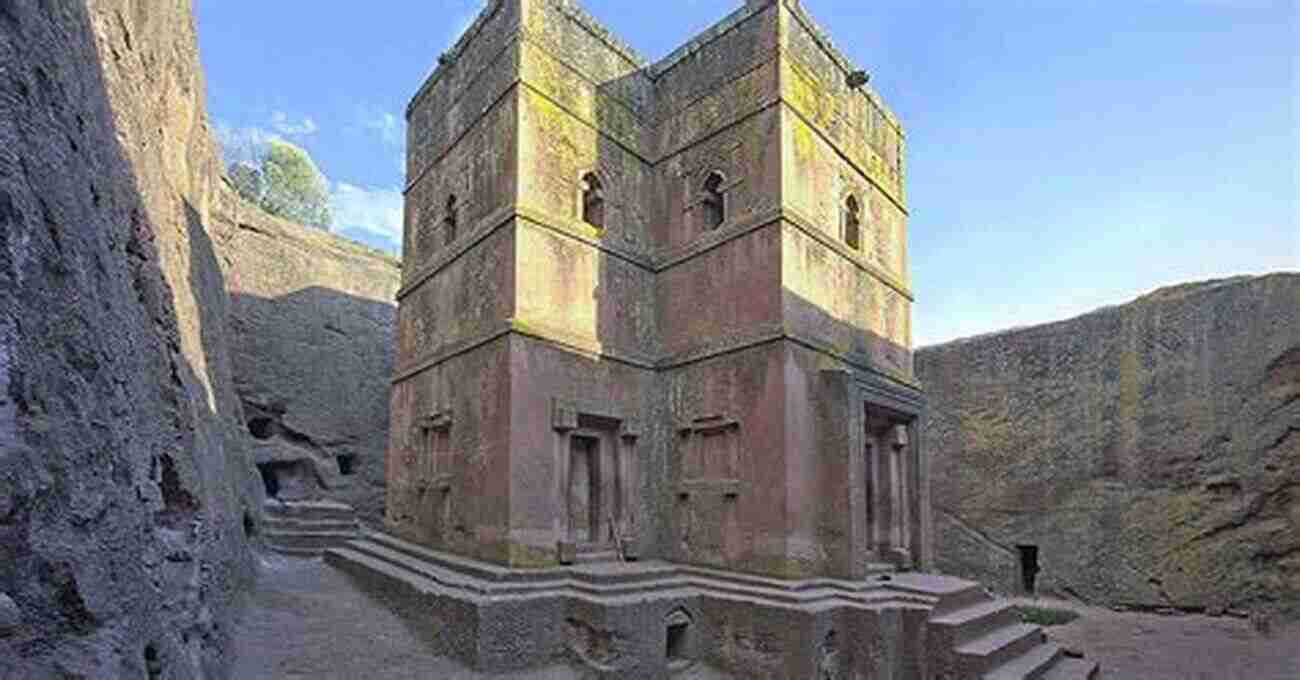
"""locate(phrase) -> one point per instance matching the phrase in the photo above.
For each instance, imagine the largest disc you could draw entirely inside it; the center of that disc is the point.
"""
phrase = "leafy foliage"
(1046, 616)
(284, 181)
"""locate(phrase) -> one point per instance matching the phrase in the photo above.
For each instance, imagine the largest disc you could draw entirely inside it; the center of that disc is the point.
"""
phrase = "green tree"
(285, 182)
(247, 180)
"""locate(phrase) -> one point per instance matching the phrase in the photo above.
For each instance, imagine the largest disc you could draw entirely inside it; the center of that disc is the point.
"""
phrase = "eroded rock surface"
(126, 490)
(311, 331)
(1149, 452)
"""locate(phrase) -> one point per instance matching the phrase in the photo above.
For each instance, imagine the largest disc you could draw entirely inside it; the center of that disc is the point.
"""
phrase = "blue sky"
(1062, 154)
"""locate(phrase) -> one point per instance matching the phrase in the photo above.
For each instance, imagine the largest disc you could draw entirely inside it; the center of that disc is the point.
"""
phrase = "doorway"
(1028, 567)
(584, 490)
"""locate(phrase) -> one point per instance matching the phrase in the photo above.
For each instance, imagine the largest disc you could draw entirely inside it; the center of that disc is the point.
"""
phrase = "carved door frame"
(622, 434)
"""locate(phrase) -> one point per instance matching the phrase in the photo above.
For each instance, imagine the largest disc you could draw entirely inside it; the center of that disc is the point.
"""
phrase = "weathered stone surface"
(311, 334)
(656, 326)
(10, 615)
(126, 490)
(708, 368)
(1150, 451)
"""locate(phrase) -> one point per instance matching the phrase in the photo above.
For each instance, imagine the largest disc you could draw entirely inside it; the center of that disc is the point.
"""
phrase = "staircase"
(988, 640)
(307, 528)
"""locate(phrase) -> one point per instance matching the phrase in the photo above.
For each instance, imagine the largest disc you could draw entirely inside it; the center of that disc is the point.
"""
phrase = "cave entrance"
(347, 464)
(1028, 567)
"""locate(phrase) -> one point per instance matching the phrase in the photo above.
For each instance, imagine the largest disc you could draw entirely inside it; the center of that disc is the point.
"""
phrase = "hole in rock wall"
(347, 463)
(179, 505)
(269, 478)
(593, 200)
(677, 646)
(828, 664)
(261, 428)
(852, 223)
(1028, 567)
(250, 525)
(714, 204)
(676, 641)
(152, 664)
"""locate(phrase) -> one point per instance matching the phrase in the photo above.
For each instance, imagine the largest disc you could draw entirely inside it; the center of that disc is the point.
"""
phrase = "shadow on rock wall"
(126, 493)
(313, 371)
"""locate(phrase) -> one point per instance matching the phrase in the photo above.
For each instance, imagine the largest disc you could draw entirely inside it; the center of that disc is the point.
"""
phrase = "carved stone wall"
(702, 300)
(1148, 452)
(302, 299)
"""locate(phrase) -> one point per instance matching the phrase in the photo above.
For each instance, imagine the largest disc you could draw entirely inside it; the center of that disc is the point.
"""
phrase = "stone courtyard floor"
(307, 620)
(1140, 646)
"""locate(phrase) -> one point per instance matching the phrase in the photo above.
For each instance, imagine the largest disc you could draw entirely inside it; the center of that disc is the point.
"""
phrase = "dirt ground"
(307, 620)
(1139, 646)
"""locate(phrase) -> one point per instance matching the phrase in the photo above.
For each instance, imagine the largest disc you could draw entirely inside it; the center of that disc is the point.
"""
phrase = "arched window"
(713, 205)
(852, 219)
(593, 200)
(449, 221)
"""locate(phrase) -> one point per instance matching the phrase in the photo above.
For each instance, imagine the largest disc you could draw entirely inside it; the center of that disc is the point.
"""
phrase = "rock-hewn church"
(654, 401)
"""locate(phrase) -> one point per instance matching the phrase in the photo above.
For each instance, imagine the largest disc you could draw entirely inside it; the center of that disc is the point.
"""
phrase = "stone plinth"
(650, 619)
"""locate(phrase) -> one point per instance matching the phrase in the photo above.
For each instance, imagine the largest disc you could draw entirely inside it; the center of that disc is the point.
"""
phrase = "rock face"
(311, 332)
(126, 490)
(1149, 454)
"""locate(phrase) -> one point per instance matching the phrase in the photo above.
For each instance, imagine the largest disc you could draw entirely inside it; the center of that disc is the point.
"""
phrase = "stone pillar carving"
(564, 420)
(436, 474)
(628, 485)
(899, 451)
(875, 500)
(885, 497)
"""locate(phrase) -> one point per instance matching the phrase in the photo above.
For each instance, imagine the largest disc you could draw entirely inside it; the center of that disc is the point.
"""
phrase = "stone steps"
(307, 528)
(1067, 668)
(977, 620)
(921, 589)
(954, 594)
(1028, 666)
(612, 581)
(298, 524)
(977, 636)
(296, 552)
(318, 510)
(312, 540)
(995, 649)
(990, 641)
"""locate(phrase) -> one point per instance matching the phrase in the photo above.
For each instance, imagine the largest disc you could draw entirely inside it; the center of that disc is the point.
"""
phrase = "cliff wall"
(1150, 452)
(311, 320)
(127, 494)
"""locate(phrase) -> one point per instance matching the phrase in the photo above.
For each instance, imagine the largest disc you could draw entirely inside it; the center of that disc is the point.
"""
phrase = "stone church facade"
(656, 310)
(653, 402)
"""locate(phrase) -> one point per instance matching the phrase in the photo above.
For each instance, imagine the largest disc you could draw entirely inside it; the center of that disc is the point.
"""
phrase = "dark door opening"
(269, 479)
(679, 647)
(1028, 567)
(676, 648)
